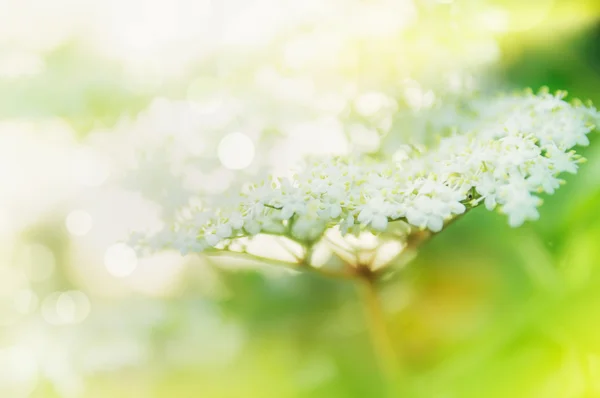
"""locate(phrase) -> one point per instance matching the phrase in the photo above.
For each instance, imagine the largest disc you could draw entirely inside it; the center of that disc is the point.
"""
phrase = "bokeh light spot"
(370, 103)
(417, 98)
(89, 168)
(120, 260)
(70, 307)
(236, 151)
(79, 222)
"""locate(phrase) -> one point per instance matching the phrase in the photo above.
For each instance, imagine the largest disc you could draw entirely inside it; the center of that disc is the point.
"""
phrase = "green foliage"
(75, 85)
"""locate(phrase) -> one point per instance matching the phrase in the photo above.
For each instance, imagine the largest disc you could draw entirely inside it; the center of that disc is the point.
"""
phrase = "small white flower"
(212, 239)
(374, 214)
(291, 207)
(427, 213)
(330, 211)
(521, 207)
(236, 220)
(512, 149)
(561, 161)
(252, 227)
(224, 231)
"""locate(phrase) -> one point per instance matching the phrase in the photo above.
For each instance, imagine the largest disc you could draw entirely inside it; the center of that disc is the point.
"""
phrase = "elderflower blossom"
(510, 150)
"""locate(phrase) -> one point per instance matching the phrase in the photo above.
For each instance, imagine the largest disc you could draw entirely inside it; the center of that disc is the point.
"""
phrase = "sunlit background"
(115, 113)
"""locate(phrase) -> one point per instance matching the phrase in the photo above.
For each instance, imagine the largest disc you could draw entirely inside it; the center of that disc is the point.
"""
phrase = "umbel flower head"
(505, 152)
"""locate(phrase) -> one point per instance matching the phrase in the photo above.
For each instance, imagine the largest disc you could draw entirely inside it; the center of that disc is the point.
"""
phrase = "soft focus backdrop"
(115, 113)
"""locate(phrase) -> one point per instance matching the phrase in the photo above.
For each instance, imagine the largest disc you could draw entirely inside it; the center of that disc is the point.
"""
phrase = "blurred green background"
(483, 311)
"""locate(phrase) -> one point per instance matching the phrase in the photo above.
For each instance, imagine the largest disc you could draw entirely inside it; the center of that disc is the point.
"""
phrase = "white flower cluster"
(514, 148)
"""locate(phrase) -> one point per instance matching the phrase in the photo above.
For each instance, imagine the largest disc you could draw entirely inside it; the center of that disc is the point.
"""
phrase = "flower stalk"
(387, 358)
(502, 154)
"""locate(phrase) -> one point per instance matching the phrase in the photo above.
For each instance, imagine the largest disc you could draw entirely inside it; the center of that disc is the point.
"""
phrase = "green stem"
(375, 316)
(381, 340)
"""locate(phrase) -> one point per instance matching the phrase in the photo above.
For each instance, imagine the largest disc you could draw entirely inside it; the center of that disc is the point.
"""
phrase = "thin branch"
(341, 252)
(299, 266)
(287, 248)
(381, 340)
(337, 245)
